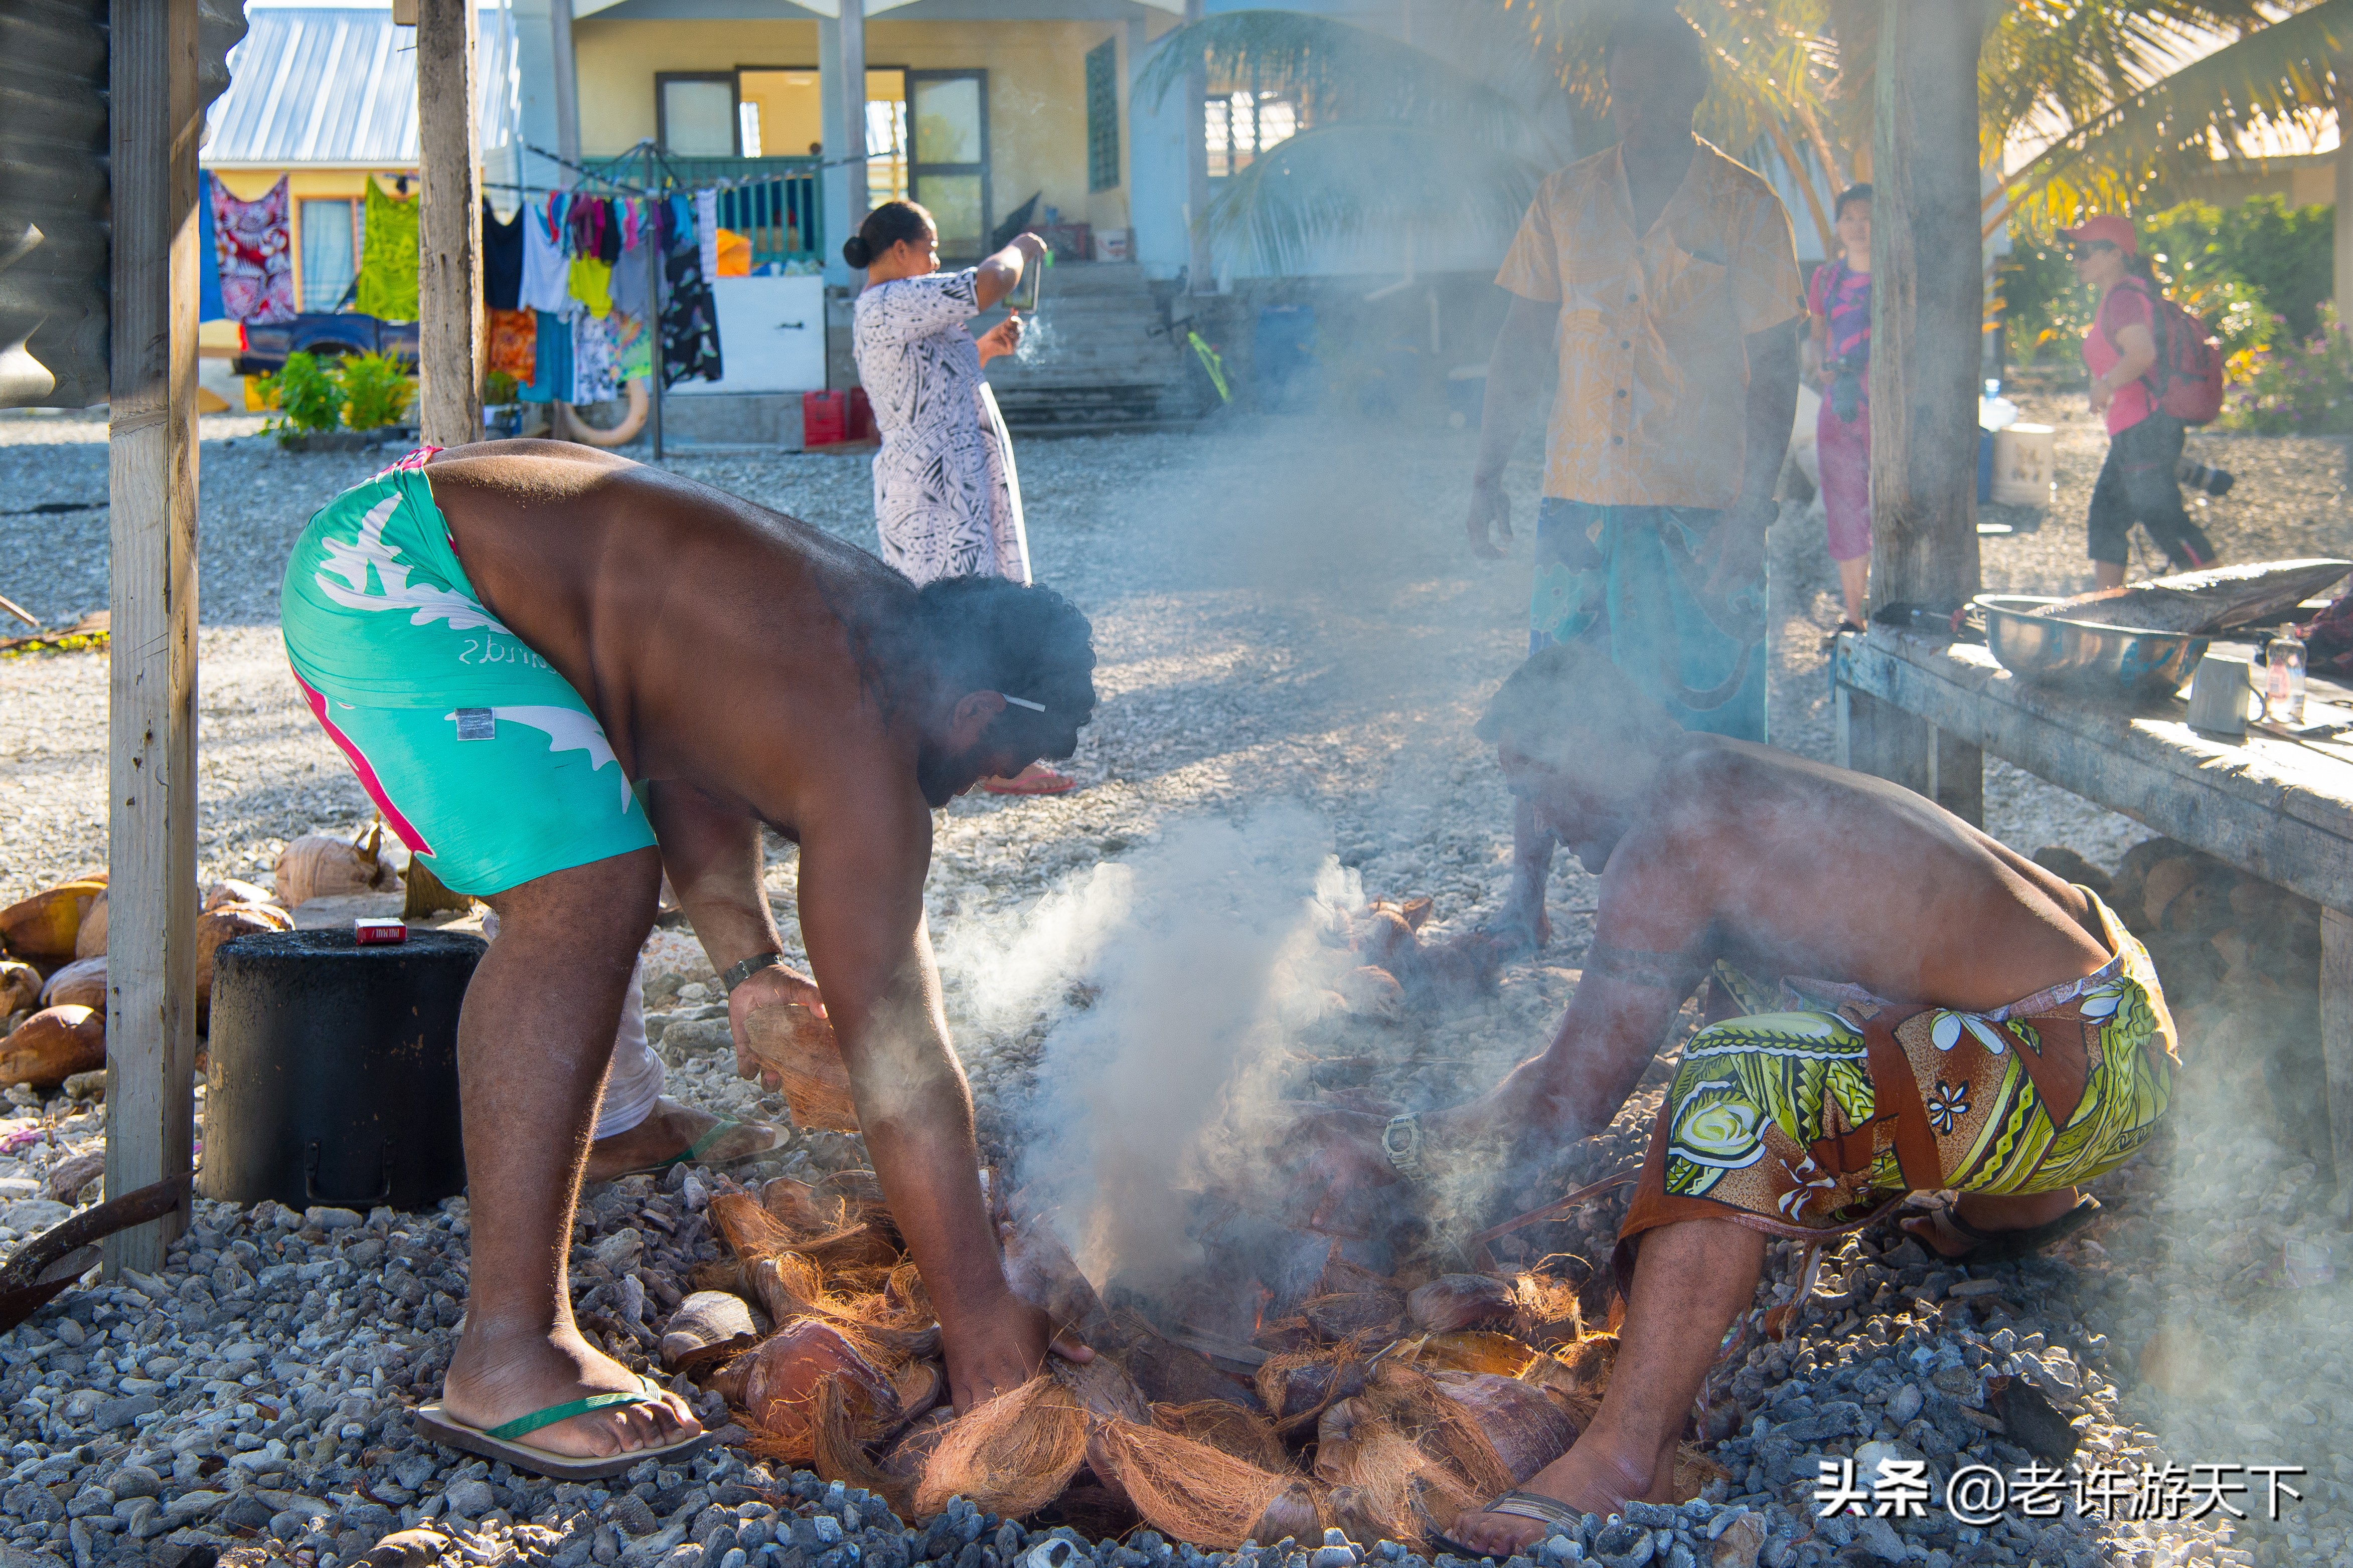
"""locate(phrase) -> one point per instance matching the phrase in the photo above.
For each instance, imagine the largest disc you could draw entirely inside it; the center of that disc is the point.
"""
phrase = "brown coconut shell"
(912, 1449)
(1103, 1389)
(1295, 1388)
(1043, 1272)
(797, 1044)
(52, 1046)
(775, 1386)
(227, 924)
(1456, 1301)
(89, 939)
(1189, 1491)
(1526, 1430)
(236, 891)
(1171, 1373)
(1376, 1313)
(20, 987)
(1247, 1435)
(1473, 1351)
(316, 865)
(82, 983)
(46, 924)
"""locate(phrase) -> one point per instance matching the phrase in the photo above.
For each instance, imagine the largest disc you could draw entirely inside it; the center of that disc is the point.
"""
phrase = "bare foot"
(1035, 779)
(672, 1129)
(1989, 1214)
(1522, 926)
(1588, 1478)
(500, 1376)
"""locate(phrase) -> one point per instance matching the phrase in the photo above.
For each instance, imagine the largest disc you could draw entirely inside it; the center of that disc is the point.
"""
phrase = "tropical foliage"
(1404, 139)
(362, 392)
(2294, 386)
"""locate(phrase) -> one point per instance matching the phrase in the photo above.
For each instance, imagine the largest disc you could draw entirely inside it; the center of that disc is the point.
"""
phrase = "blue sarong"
(1633, 577)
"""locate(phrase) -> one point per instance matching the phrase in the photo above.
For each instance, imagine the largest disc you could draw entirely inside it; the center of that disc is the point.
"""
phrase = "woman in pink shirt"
(2138, 483)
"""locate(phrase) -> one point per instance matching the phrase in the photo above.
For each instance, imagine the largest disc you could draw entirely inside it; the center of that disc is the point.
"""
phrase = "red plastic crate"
(836, 418)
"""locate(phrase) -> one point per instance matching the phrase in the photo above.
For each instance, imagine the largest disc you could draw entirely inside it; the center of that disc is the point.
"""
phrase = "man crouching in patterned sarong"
(1986, 1028)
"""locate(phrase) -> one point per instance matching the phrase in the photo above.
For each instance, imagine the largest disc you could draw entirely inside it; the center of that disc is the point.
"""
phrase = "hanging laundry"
(208, 288)
(388, 264)
(515, 336)
(592, 363)
(545, 276)
(253, 249)
(689, 317)
(502, 260)
(632, 288)
(590, 285)
(608, 233)
(706, 229)
(633, 355)
(585, 226)
(550, 377)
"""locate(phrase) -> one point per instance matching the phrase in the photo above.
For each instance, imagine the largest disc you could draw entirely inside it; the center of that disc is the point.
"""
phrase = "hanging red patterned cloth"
(514, 344)
(252, 242)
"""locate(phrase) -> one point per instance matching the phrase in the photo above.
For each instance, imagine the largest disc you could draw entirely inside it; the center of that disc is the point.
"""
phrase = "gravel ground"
(1285, 616)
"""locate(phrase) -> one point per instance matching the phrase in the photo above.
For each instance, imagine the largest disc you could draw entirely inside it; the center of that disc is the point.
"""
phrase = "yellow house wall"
(1036, 89)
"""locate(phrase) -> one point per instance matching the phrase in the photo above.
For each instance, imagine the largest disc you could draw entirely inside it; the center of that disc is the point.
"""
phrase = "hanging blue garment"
(550, 380)
(208, 290)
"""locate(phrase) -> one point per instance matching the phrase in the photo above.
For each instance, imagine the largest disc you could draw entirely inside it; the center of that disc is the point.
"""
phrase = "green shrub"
(377, 391)
(308, 393)
(2294, 386)
(499, 387)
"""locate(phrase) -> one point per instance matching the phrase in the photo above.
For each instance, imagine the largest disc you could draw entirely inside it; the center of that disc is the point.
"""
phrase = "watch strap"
(740, 972)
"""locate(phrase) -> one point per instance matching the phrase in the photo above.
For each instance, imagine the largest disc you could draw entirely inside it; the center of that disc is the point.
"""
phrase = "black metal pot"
(333, 1071)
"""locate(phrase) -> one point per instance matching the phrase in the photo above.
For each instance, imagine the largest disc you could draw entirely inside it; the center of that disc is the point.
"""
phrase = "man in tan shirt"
(1666, 274)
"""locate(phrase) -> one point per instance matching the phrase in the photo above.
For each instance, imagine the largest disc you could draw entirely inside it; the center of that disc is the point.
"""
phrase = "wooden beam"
(850, 61)
(150, 1041)
(1926, 303)
(449, 227)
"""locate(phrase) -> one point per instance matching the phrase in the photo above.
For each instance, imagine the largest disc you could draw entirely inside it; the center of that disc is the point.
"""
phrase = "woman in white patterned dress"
(948, 499)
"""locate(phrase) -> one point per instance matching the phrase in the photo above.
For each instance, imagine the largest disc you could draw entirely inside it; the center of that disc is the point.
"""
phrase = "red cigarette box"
(370, 933)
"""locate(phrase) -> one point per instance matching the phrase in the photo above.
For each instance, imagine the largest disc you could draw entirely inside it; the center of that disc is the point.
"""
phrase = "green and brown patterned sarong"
(1813, 1120)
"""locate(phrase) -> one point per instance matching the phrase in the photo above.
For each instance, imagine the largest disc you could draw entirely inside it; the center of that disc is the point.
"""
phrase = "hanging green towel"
(388, 257)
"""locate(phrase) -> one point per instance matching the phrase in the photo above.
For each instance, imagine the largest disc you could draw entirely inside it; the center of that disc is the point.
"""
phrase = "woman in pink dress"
(1838, 361)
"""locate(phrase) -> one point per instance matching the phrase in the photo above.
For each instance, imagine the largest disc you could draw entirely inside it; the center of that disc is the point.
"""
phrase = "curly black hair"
(991, 634)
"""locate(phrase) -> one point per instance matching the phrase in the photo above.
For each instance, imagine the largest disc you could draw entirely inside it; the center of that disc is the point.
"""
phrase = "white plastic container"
(2024, 465)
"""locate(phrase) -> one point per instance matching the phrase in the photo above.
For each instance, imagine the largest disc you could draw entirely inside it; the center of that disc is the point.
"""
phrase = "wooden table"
(2272, 805)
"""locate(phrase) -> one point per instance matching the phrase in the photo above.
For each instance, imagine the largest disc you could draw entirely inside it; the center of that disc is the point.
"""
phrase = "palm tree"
(1409, 141)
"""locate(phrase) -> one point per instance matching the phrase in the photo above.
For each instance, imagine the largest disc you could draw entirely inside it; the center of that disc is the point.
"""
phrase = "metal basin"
(2079, 655)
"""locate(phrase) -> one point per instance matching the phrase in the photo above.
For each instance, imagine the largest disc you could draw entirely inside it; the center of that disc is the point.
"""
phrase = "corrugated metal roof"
(338, 86)
(54, 193)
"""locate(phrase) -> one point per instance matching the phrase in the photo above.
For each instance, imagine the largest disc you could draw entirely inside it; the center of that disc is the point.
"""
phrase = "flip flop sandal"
(1052, 782)
(2004, 1245)
(431, 1421)
(1518, 1505)
(693, 1152)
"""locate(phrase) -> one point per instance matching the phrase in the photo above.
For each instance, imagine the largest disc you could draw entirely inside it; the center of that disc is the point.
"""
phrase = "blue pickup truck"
(262, 347)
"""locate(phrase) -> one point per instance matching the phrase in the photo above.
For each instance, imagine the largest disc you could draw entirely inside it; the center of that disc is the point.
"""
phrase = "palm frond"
(2069, 62)
(2282, 72)
(1341, 181)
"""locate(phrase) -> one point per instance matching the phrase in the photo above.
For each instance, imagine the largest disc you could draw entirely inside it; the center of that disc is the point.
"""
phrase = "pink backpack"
(2187, 380)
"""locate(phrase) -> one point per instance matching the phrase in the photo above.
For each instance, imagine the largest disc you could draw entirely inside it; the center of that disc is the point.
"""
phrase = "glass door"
(948, 114)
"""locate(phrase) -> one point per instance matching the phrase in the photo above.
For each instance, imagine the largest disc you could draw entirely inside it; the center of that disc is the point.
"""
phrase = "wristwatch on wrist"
(1401, 1141)
(741, 972)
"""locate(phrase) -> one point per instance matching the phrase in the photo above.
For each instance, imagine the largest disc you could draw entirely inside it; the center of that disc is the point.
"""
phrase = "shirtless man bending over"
(558, 673)
(1979, 1026)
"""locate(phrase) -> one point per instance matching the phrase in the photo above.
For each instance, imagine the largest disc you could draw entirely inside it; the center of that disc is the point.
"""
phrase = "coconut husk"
(718, 1274)
(789, 1285)
(1415, 1404)
(82, 983)
(1228, 1428)
(1472, 1350)
(777, 1386)
(1103, 1389)
(1368, 991)
(1187, 1490)
(318, 866)
(1455, 1301)
(20, 987)
(1381, 1478)
(52, 1046)
(1296, 1387)
(840, 1429)
(1010, 1456)
(1343, 1275)
(796, 1043)
(227, 924)
(911, 1450)
(1377, 1314)
(427, 895)
(1297, 1512)
(1526, 1430)
(1695, 1471)
(1169, 1372)
(1545, 1310)
(920, 1386)
(708, 1328)
(45, 925)
(796, 1207)
(1292, 1336)
(90, 937)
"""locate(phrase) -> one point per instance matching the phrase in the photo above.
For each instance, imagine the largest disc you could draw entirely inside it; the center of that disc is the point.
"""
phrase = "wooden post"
(2344, 171)
(151, 1034)
(2336, 1045)
(1926, 306)
(449, 227)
